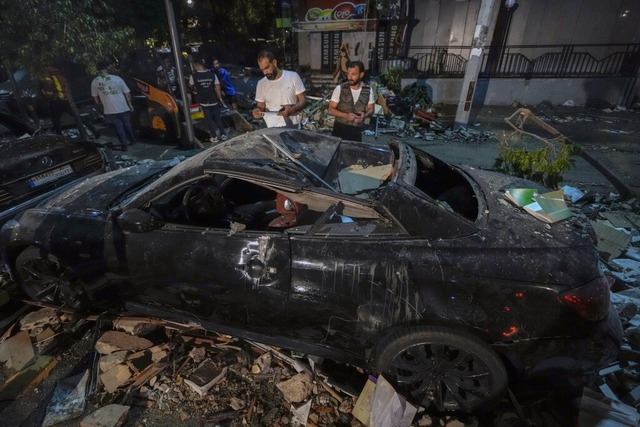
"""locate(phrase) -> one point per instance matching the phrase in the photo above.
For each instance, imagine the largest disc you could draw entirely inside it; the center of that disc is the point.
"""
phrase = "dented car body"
(382, 256)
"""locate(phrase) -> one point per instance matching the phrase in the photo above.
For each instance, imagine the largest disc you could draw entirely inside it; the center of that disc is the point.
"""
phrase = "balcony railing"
(549, 61)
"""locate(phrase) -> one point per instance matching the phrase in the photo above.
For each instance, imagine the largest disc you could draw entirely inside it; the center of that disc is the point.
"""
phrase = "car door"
(351, 276)
(238, 277)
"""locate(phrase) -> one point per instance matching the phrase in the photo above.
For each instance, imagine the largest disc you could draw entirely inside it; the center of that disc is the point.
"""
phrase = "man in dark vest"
(351, 103)
(209, 95)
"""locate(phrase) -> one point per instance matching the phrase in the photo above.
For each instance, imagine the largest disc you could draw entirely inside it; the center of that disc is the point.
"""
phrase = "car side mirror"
(137, 221)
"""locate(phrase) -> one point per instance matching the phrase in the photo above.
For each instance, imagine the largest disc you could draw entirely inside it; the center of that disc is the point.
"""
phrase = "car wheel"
(43, 278)
(162, 126)
(442, 368)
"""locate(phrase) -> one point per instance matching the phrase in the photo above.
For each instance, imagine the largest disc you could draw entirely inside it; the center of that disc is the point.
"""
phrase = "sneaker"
(224, 137)
(214, 139)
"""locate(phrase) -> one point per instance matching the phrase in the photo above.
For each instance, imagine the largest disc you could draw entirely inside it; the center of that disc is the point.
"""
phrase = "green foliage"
(392, 78)
(544, 165)
(420, 96)
(35, 33)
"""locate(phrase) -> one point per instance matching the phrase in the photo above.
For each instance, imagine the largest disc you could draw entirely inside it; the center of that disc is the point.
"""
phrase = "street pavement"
(611, 137)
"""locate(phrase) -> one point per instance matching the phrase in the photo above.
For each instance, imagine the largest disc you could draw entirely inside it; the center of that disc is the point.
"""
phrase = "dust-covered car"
(381, 256)
(34, 164)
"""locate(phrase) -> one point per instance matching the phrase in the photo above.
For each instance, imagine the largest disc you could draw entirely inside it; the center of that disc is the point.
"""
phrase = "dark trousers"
(351, 133)
(213, 119)
(57, 107)
(122, 123)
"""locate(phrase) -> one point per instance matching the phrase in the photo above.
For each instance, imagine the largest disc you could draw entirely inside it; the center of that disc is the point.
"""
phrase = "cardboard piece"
(520, 196)
(356, 178)
(389, 408)
(362, 409)
(28, 378)
(17, 352)
(549, 207)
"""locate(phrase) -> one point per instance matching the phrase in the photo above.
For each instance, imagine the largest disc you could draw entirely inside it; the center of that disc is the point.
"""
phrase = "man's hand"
(257, 114)
(286, 111)
(358, 118)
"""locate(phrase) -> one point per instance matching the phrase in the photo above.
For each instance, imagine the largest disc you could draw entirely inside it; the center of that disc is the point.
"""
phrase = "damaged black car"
(381, 256)
(35, 164)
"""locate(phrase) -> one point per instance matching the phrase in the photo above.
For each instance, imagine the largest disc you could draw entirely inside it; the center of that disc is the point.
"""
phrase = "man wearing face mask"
(351, 103)
(280, 95)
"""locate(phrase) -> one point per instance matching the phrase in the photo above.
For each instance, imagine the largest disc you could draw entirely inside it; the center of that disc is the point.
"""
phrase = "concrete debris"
(297, 388)
(16, 352)
(113, 341)
(107, 416)
(133, 327)
(115, 377)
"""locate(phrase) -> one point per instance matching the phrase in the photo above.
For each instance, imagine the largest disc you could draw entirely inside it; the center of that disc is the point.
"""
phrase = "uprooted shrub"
(528, 155)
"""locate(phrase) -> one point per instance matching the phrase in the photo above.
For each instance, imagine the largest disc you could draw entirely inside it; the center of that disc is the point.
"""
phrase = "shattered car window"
(446, 185)
(221, 201)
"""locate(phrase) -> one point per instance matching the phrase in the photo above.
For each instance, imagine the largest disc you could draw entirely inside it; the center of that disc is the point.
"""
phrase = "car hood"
(98, 193)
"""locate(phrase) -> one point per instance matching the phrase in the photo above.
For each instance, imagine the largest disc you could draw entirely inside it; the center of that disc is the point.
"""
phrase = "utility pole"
(175, 46)
(486, 16)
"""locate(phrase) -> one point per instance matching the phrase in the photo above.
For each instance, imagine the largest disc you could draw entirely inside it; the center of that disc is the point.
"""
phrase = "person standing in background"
(351, 103)
(280, 95)
(112, 94)
(209, 95)
(54, 89)
(228, 90)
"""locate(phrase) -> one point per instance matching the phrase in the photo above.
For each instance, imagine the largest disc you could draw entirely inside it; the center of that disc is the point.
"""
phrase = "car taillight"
(590, 301)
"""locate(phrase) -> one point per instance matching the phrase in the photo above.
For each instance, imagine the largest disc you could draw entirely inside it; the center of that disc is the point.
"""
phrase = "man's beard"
(272, 75)
(353, 82)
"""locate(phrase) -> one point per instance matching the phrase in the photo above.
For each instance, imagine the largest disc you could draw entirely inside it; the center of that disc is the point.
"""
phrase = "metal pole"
(485, 17)
(175, 45)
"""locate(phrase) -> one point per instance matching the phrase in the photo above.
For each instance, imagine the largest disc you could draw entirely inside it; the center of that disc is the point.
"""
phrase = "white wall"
(614, 90)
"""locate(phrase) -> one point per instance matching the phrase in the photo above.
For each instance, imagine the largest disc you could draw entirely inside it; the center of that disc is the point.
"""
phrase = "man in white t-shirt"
(280, 95)
(351, 103)
(112, 94)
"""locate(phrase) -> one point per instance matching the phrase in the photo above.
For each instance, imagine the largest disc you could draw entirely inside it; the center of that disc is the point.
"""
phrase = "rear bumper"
(566, 361)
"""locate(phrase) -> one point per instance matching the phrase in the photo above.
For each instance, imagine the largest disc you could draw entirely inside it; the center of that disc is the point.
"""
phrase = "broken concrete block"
(115, 377)
(628, 267)
(40, 319)
(134, 326)
(17, 352)
(112, 341)
(108, 416)
(611, 242)
(46, 334)
(596, 409)
(110, 360)
(297, 388)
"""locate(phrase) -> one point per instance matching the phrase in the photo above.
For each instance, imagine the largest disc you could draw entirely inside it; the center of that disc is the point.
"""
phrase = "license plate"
(52, 175)
(196, 113)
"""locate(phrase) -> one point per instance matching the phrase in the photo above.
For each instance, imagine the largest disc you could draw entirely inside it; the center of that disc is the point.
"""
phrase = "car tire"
(44, 278)
(442, 368)
(162, 126)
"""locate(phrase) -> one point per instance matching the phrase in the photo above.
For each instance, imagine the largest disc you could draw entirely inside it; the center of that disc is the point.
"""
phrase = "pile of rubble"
(414, 119)
(144, 371)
